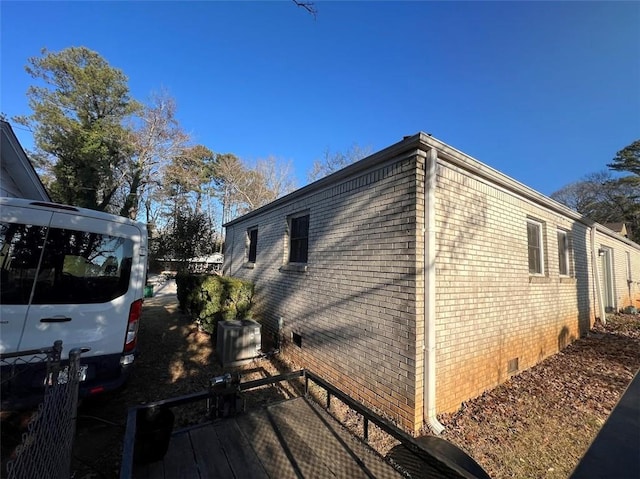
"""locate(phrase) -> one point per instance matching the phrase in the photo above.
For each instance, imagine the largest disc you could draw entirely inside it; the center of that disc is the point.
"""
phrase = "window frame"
(564, 259)
(540, 270)
(301, 254)
(251, 246)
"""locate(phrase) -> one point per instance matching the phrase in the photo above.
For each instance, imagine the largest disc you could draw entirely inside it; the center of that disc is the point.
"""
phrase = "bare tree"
(157, 138)
(331, 162)
(584, 195)
(241, 188)
(603, 198)
(228, 172)
(272, 179)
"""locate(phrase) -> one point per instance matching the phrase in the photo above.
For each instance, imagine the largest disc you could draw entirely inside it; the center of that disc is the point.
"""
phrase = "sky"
(545, 92)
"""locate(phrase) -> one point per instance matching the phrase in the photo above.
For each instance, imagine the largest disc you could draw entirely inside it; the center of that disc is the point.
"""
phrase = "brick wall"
(355, 305)
(490, 311)
(625, 278)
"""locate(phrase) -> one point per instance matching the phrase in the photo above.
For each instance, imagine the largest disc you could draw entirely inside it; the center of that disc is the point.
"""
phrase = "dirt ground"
(536, 425)
(175, 359)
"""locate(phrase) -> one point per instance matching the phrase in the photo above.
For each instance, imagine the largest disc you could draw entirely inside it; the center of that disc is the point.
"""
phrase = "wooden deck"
(290, 439)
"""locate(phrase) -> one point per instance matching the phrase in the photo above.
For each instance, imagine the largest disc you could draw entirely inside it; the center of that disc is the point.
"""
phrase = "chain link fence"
(45, 451)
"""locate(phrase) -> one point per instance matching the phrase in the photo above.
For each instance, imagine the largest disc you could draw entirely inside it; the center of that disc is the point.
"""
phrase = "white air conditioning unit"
(238, 341)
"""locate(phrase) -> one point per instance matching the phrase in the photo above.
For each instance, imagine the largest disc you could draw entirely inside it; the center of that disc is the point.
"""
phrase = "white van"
(75, 275)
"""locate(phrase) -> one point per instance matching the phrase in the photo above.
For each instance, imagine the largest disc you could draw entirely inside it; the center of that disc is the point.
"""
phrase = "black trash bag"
(153, 433)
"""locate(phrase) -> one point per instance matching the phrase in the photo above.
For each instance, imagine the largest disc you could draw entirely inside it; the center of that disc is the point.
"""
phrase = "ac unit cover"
(238, 341)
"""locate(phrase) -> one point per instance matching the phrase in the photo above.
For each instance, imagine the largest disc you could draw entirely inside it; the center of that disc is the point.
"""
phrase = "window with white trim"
(536, 249)
(564, 253)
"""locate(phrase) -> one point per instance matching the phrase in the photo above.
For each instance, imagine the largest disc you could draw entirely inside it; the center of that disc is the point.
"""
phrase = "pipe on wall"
(429, 345)
(596, 274)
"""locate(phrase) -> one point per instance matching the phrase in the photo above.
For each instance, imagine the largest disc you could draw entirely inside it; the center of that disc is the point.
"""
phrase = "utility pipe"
(596, 274)
(429, 345)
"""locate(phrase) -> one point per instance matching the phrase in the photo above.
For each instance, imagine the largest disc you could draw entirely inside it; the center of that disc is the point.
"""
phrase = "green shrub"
(238, 297)
(189, 288)
(210, 299)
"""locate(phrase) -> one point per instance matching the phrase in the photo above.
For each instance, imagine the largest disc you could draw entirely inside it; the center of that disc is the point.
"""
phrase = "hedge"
(211, 298)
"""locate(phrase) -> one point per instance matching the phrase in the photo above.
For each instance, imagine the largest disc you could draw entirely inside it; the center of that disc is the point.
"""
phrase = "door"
(22, 236)
(83, 292)
(606, 273)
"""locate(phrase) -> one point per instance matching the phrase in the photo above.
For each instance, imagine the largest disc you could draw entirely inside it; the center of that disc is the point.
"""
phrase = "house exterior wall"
(357, 307)
(8, 186)
(354, 304)
(490, 310)
(626, 270)
(18, 178)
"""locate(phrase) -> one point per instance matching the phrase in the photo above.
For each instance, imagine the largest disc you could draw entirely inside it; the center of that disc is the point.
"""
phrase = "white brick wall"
(359, 304)
(626, 293)
(355, 306)
(489, 309)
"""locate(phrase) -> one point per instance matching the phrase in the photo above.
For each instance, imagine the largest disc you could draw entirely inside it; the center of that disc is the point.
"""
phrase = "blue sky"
(545, 92)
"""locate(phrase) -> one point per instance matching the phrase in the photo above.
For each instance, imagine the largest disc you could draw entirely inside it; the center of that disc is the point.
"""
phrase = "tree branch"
(308, 6)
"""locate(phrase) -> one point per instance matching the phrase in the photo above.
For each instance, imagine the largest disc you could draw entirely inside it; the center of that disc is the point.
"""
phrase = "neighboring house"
(206, 264)
(620, 228)
(200, 264)
(418, 277)
(17, 175)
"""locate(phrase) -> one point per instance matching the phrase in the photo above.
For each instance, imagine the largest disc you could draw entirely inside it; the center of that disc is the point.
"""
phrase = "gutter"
(429, 344)
(596, 274)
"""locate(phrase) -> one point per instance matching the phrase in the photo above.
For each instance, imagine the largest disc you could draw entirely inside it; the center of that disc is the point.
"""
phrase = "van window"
(76, 267)
(20, 251)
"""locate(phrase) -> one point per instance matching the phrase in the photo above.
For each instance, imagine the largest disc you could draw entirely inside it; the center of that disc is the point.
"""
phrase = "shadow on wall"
(565, 338)
(356, 230)
(364, 255)
(579, 261)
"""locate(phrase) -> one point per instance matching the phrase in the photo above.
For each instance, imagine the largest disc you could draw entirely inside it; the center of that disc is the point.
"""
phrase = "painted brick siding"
(358, 305)
(489, 309)
(355, 306)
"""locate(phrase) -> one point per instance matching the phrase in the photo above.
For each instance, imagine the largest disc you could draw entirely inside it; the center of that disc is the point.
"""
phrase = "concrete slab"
(615, 452)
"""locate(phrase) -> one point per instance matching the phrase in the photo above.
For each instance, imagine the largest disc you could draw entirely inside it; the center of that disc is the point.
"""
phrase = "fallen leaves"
(540, 423)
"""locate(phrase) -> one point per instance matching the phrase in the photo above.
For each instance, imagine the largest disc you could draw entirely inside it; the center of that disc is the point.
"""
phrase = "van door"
(88, 278)
(22, 235)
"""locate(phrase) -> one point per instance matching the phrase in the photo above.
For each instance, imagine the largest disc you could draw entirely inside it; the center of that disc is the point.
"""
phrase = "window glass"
(253, 245)
(299, 239)
(563, 253)
(81, 267)
(20, 250)
(534, 238)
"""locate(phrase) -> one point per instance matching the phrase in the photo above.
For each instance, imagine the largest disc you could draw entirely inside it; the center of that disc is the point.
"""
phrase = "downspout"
(596, 274)
(429, 345)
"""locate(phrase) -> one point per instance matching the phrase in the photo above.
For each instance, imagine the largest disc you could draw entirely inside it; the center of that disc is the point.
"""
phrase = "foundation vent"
(512, 366)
